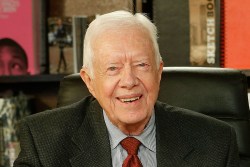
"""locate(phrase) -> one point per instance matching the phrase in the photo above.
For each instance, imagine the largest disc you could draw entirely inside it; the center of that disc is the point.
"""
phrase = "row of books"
(209, 33)
(12, 109)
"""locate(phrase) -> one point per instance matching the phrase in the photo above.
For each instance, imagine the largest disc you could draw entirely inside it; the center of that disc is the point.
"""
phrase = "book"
(60, 42)
(12, 109)
(236, 34)
(41, 22)
(189, 32)
(20, 34)
(80, 25)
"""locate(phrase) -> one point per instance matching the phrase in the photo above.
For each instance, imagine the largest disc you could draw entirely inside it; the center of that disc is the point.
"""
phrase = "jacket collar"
(92, 140)
(173, 147)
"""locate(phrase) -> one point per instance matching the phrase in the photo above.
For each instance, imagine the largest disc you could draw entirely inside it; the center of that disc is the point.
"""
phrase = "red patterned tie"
(131, 145)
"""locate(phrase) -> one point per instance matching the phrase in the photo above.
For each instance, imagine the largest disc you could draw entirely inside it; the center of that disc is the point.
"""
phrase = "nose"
(128, 78)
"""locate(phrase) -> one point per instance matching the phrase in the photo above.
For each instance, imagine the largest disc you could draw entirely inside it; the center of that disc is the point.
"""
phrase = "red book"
(237, 34)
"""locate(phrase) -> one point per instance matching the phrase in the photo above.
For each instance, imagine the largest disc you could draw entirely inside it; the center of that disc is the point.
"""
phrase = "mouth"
(129, 100)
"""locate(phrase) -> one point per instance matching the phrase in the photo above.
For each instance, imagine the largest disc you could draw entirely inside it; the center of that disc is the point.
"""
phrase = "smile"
(129, 100)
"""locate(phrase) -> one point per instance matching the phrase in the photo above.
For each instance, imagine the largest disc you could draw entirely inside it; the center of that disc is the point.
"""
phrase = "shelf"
(42, 89)
(31, 78)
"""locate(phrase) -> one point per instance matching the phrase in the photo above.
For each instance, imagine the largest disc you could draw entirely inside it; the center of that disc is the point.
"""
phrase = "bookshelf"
(31, 78)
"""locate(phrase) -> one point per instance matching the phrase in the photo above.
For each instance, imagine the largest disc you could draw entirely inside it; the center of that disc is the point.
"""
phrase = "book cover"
(18, 40)
(60, 42)
(79, 25)
(189, 32)
(40, 6)
(236, 34)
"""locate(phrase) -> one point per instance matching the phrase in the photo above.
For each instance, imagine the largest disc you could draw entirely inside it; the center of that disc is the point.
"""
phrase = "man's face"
(11, 63)
(126, 79)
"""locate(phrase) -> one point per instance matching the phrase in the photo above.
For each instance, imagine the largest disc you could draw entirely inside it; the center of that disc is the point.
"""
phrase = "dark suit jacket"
(76, 136)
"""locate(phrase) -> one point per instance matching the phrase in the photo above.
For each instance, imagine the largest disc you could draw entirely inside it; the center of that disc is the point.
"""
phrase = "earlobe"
(87, 80)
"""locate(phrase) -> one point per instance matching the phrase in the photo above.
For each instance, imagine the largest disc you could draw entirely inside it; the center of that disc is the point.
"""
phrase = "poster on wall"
(189, 32)
(20, 37)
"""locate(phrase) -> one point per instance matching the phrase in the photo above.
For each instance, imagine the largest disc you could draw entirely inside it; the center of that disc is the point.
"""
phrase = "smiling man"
(122, 123)
(126, 75)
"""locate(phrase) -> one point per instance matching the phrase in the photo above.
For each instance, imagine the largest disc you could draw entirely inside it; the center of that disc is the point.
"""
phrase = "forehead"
(128, 38)
(7, 50)
(9, 53)
(124, 31)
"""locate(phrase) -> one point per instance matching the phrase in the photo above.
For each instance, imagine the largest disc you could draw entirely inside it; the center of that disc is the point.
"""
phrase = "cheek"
(105, 94)
(106, 88)
(151, 85)
(149, 80)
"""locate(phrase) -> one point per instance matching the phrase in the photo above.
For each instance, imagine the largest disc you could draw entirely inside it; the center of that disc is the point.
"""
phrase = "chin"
(134, 119)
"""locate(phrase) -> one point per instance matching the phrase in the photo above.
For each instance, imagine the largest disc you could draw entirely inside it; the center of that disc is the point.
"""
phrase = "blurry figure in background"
(13, 58)
(61, 37)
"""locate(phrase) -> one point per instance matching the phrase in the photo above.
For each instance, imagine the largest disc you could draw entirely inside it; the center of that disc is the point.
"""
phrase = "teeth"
(130, 100)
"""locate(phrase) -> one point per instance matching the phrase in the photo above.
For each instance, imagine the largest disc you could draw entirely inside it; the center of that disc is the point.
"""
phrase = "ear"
(84, 73)
(160, 70)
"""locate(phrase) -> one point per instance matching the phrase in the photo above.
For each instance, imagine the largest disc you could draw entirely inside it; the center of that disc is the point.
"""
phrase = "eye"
(16, 66)
(142, 64)
(112, 68)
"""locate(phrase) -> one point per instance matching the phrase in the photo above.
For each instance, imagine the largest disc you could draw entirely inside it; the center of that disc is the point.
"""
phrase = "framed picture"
(21, 37)
(189, 32)
(60, 44)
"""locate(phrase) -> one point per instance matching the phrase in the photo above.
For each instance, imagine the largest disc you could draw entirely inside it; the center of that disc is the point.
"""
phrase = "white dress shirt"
(147, 150)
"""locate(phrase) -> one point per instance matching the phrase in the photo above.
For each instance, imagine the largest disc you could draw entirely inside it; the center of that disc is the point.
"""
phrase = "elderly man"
(122, 124)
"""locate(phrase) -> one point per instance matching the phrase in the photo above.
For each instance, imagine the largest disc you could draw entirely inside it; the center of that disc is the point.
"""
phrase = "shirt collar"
(147, 138)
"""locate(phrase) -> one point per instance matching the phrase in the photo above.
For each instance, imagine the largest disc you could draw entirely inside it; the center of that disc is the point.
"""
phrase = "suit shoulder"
(191, 118)
(67, 116)
(205, 135)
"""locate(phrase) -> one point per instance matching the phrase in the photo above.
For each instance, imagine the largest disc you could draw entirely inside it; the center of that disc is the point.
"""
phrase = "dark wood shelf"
(31, 78)
(43, 89)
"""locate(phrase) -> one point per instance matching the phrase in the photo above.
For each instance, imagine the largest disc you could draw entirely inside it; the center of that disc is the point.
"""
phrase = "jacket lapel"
(92, 140)
(173, 148)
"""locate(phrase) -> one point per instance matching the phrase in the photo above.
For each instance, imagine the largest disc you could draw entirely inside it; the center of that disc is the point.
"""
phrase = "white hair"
(115, 21)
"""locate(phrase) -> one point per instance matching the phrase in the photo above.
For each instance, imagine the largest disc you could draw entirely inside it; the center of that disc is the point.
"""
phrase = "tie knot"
(131, 145)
